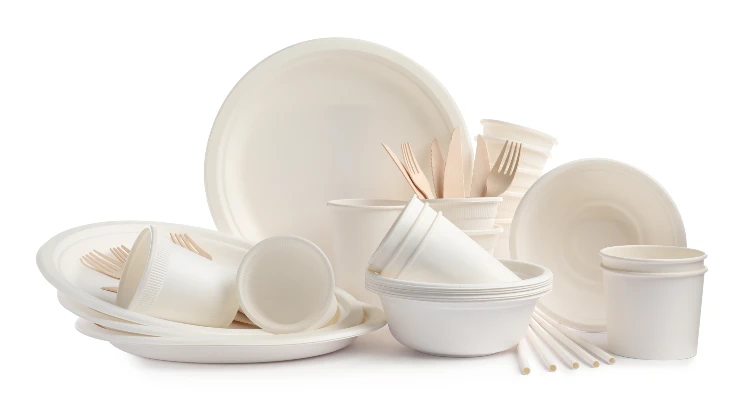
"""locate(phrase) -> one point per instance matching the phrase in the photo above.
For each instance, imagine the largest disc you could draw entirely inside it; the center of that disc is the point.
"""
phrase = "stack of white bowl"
(445, 295)
(537, 148)
(653, 298)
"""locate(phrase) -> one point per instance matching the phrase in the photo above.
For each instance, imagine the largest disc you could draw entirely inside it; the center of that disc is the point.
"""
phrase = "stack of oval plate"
(79, 291)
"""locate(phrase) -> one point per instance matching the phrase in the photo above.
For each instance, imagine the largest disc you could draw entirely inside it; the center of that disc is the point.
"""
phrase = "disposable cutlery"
(415, 172)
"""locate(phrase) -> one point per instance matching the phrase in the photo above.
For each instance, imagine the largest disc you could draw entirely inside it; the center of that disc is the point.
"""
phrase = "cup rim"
(606, 253)
(655, 275)
(468, 200)
(520, 127)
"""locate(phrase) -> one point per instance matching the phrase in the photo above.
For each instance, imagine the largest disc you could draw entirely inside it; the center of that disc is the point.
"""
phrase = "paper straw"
(544, 353)
(564, 355)
(522, 357)
(570, 344)
(591, 347)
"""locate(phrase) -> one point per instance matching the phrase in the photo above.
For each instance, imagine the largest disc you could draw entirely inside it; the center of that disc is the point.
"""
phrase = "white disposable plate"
(349, 314)
(194, 350)
(59, 262)
(305, 126)
(574, 211)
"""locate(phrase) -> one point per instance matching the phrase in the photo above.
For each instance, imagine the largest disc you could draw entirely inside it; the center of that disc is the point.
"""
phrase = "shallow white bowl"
(652, 258)
(525, 135)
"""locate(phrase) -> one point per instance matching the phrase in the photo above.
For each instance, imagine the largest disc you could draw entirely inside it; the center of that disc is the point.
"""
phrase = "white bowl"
(653, 316)
(486, 238)
(525, 135)
(471, 213)
(456, 326)
(532, 157)
(652, 258)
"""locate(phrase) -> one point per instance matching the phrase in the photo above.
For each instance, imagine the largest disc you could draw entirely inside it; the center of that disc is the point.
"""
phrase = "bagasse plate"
(574, 211)
(305, 126)
(194, 350)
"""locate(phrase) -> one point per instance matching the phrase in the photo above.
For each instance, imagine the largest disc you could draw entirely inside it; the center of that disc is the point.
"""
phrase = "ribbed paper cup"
(486, 238)
(162, 279)
(532, 157)
(471, 213)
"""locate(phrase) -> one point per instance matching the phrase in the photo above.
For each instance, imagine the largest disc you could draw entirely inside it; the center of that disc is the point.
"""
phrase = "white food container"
(486, 238)
(653, 316)
(525, 135)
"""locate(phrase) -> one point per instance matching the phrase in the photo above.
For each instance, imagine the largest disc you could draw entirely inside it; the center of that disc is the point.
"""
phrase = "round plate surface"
(305, 126)
(574, 211)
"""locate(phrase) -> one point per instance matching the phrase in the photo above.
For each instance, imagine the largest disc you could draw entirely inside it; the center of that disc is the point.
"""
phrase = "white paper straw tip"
(526, 371)
(596, 364)
(575, 365)
(611, 360)
(552, 368)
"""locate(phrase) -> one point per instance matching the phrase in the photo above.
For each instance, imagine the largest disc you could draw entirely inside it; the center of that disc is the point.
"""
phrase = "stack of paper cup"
(537, 148)
(422, 245)
(473, 215)
(653, 297)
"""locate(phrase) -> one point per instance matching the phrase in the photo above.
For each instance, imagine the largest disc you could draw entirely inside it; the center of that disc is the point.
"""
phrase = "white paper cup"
(164, 280)
(486, 238)
(410, 243)
(524, 179)
(519, 133)
(502, 245)
(532, 157)
(471, 213)
(447, 255)
(286, 285)
(358, 226)
(396, 234)
(508, 206)
(653, 316)
(652, 258)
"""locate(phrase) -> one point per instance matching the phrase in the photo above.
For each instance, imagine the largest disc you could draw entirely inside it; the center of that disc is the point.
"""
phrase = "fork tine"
(174, 239)
(407, 160)
(110, 289)
(114, 262)
(98, 269)
(499, 162)
(101, 263)
(200, 250)
(511, 157)
(517, 160)
(413, 159)
(119, 253)
(125, 248)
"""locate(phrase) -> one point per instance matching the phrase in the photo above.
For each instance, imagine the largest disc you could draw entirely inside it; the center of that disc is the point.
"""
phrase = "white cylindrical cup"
(358, 226)
(652, 258)
(508, 206)
(653, 316)
(286, 285)
(502, 245)
(409, 244)
(162, 279)
(525, 135)
(396, 234)
(447, 255)
(470, 213)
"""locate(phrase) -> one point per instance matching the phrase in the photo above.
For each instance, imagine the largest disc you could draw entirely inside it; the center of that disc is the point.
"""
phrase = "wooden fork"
(502, 173)
(415, 172)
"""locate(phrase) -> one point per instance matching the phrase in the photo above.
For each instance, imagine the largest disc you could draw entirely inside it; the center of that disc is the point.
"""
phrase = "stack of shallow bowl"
(475, 216)
(537, 148)
(653, 298)
(461, 319)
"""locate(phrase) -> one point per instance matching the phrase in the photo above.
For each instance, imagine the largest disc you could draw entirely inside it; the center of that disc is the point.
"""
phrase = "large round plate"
(574, 211)
(59, 262)
(196, 350)
(305, 126)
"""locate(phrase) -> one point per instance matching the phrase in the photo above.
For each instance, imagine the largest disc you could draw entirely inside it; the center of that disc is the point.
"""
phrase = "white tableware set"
(295, 174)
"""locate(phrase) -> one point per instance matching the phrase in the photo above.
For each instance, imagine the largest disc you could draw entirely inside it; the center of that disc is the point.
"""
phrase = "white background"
(104, 115)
